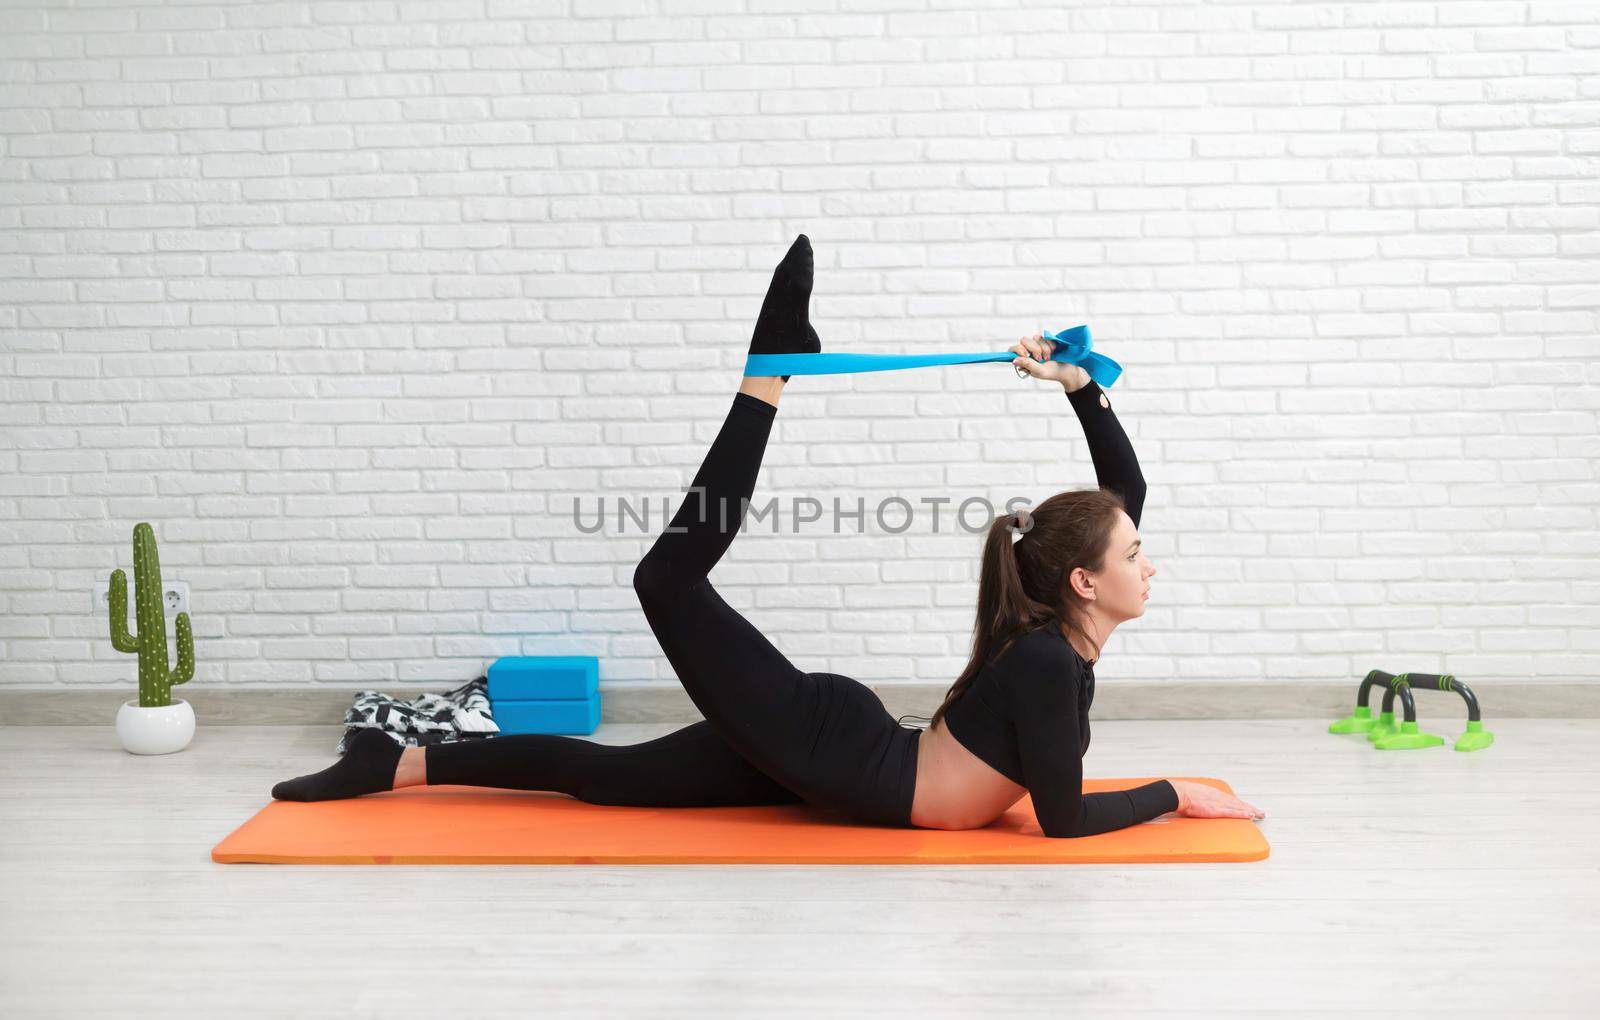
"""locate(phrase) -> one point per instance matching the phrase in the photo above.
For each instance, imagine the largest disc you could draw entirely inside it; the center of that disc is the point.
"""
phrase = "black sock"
(367, 767)
(784, 325)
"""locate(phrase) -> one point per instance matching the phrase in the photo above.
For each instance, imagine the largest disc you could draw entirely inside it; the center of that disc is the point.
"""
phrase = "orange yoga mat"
(476, 825)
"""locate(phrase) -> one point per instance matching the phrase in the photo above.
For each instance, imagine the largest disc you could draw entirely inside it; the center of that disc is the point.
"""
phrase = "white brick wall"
(352, 300)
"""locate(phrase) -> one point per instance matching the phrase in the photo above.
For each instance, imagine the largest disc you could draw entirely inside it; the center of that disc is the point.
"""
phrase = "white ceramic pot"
(155, 730)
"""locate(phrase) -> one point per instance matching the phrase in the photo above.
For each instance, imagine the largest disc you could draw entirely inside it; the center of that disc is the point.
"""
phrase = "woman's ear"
(1084, 587)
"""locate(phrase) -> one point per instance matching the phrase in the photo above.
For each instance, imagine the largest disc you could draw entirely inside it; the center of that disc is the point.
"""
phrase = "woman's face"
(1122, 585)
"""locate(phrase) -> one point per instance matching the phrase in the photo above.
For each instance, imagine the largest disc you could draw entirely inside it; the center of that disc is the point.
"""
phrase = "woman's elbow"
(1062, 835)
(1057, 829)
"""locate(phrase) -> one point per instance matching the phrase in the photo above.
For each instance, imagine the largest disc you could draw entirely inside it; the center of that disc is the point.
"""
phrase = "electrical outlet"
(176, 597)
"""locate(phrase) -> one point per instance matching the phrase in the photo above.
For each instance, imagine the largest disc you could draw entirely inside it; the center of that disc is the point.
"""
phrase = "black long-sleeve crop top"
(1026, 712)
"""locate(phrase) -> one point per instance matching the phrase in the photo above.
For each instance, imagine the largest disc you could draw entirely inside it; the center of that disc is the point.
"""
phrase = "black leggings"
(771, 734)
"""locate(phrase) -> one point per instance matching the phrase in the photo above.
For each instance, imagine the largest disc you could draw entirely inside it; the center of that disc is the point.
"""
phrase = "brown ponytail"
(1022, 584)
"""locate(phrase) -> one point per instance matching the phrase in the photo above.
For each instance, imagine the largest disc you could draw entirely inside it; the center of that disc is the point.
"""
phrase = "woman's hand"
(1035, 360)
(1201, 800)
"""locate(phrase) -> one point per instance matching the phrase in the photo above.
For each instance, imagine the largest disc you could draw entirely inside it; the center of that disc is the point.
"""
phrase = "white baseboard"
(657, 703)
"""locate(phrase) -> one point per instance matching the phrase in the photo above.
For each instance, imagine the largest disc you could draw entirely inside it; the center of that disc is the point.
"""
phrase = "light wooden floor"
(1419, 882)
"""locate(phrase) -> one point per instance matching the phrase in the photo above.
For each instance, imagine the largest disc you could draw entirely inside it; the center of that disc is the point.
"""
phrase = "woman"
(773, 734)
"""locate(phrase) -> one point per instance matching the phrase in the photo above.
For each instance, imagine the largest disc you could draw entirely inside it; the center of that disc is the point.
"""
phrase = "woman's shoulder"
(1039, 672)
(1042, 646)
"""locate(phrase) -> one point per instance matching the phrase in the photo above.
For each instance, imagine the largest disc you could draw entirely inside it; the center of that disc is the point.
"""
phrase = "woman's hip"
(867, 758)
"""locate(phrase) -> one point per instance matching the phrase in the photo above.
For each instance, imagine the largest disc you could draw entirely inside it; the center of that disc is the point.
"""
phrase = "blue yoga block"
(554, 715)
(542, 677)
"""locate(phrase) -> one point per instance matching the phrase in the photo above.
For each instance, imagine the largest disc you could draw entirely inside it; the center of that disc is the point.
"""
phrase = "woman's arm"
(1115, 466)
(1042, 684)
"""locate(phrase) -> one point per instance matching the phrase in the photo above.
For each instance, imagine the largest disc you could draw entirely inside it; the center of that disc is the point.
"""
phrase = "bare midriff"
(955, 788)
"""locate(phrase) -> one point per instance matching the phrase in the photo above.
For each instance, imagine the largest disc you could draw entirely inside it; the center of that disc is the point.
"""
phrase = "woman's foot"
(368, 766)
(784, 325)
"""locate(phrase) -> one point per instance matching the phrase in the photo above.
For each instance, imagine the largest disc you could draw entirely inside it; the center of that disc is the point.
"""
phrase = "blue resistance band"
(1072, 345)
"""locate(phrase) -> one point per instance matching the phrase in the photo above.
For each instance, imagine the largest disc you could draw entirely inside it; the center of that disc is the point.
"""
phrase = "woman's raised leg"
(754, 696)
(825, 737)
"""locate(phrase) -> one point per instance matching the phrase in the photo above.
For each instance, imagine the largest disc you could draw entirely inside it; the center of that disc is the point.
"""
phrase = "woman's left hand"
(1034, 359)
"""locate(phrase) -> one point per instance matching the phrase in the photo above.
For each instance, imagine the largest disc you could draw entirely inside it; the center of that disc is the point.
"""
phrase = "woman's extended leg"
(689, 767)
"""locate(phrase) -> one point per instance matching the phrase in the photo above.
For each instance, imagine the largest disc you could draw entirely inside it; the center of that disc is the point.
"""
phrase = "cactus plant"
(155, 678)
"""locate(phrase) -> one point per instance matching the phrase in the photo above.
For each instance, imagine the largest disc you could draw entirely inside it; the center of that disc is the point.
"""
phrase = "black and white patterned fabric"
(460, 714)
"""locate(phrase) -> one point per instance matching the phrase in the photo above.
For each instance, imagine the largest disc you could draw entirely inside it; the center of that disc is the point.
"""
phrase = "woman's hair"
(1023, 583)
